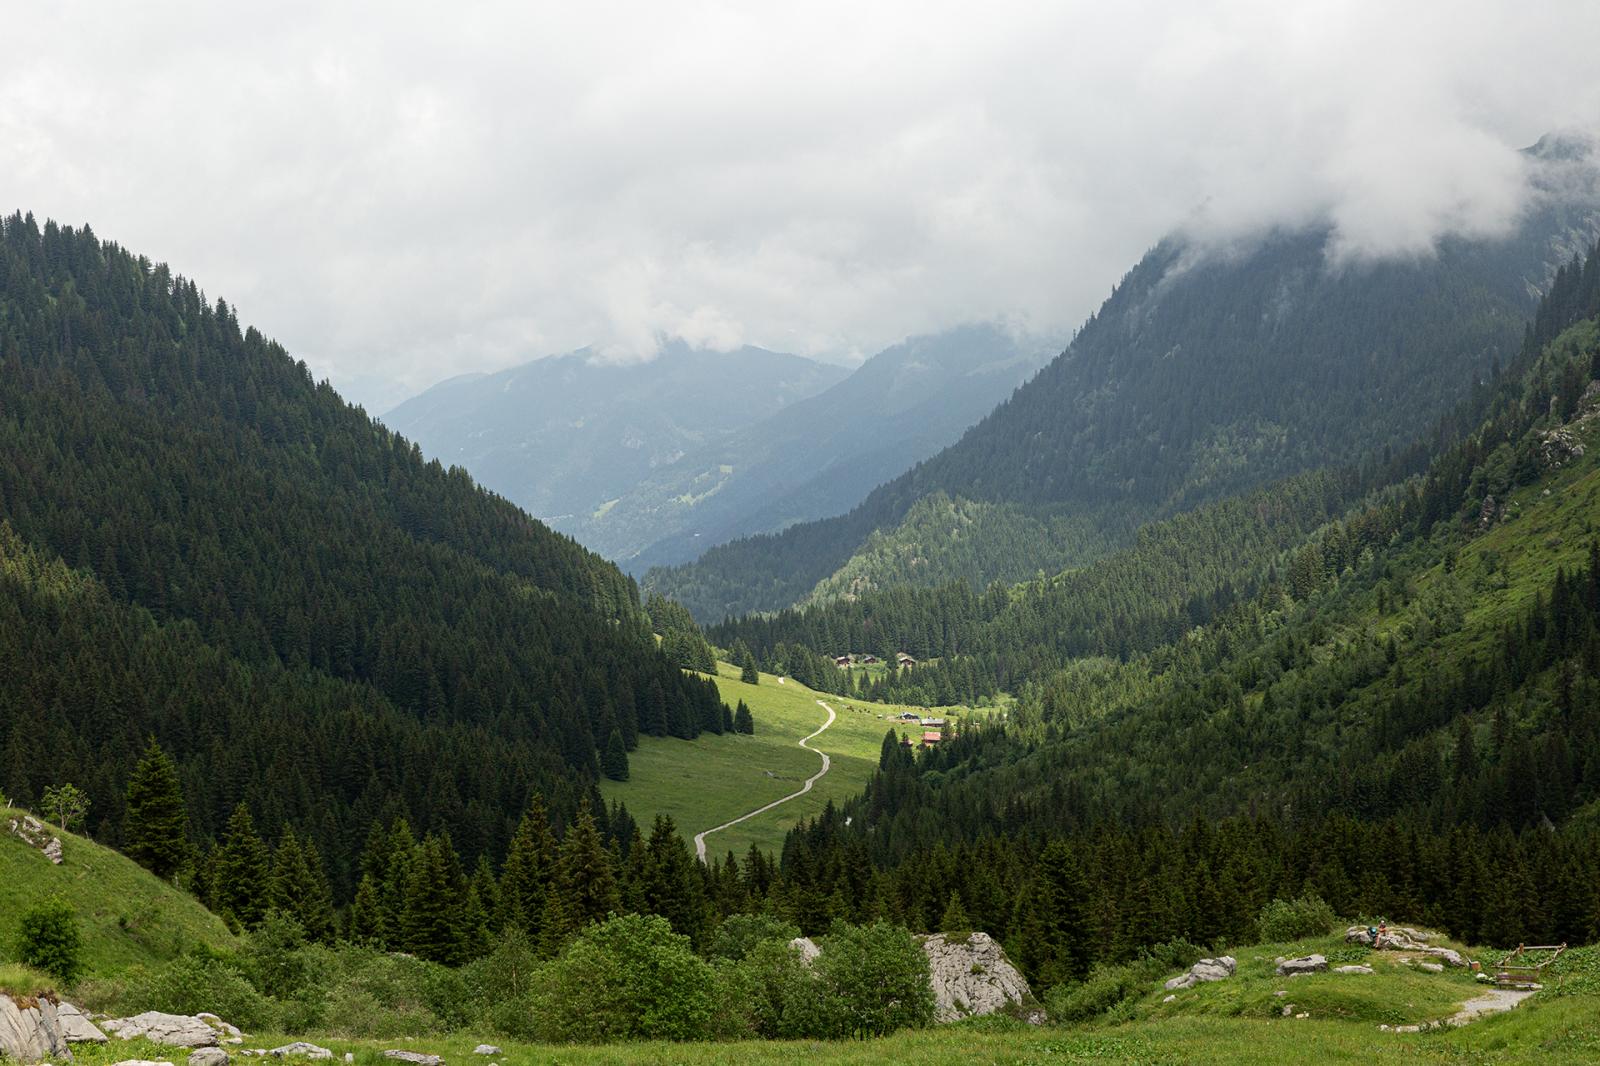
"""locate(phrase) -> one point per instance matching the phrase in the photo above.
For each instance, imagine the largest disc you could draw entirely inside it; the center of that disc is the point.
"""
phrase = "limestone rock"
(230, 1034)
(486, 1049)
(1306, 964)
(173, 1030)
(36, 834)
(1401, 938)
(1431, 967)
(301, 1047)
(1352, 969)
(77, 1027)
(30, 1030)
(970, 976)
(208, 1056)
(806, 947)
(1217, 969)
(142, 1062)
(416, 1058)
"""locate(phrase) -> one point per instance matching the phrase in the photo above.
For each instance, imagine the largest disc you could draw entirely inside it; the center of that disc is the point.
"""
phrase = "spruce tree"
(431, 925)
(746, 661)
(239, 870)
(672, 886)
(585, 884)
(955, 918)
(366, 922)
(528, 871)
(742, 721)
(155, 828)
(614, 763)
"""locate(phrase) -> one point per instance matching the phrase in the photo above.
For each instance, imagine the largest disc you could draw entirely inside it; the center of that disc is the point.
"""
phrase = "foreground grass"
(1558, 1032)
(128, 914)
(710, 780)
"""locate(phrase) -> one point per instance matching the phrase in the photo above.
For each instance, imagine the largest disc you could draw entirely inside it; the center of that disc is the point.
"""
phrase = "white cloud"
(406, 192)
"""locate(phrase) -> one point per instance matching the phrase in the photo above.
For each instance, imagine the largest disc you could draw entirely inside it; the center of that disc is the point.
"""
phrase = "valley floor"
(713, 779)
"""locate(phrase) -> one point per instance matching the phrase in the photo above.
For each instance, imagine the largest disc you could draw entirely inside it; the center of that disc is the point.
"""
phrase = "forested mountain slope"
(820, 456)
(566, 436)
(1402, 721)
(1206, 373)
(199, 542)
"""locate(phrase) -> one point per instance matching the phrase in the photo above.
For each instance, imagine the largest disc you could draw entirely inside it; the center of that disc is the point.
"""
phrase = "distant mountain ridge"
(820, 456)
(562, 437)
(1202, 376)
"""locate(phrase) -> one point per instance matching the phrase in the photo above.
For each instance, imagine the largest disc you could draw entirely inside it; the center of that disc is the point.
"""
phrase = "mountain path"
(700, 838)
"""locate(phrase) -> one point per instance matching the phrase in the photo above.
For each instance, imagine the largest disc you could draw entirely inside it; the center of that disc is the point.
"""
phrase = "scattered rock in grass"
(1431, 967)
(1205, 970)
(1169, 997)
(142, 1062)
(301, 1047)
(1302, 1016)
(1352, 969)
(349, 1056)
(1288, 1010)
(36, 834)
(416, 1058)
(486, 1049)
(208, 1056)
(1303, 965)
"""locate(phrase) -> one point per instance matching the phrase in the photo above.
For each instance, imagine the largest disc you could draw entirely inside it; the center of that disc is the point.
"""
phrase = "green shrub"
(739, 933)
(48, 939)
(199, 981)
(875, 979)
(628, 978)
(1105, 988)
(502, 981)
(274, 955)
(1295, 919)
(369, 993)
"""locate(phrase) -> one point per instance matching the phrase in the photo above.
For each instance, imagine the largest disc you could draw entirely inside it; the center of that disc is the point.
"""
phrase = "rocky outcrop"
(36, 834)
(1557, 446)
(971, 976)
(30, 1029)
(806, 947)
(1402, 938)
(1303, 965)
(77, 1026)
(173, 1030)
(208, 1056)
(1217, 969)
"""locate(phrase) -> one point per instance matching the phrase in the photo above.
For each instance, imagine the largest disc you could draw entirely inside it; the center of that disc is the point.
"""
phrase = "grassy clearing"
(128, 915)
(708, 781)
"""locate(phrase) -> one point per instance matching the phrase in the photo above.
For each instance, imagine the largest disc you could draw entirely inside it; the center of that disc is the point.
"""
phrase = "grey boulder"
(300, 1047)
(1352, 969)
(208, 1056)
(486, 1049)
(416, 1058)
(971, 976)
(1217, 969)
(77, 1027)
(1305, 964)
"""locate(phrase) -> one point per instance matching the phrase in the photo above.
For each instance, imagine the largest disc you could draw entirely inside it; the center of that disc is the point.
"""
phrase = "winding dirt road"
(700, 838)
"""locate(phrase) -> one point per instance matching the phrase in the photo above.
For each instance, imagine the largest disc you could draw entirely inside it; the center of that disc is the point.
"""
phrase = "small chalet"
(909, 716)
(842, 661)
(930, 736)
(904, 660)
(933, 723)
(870, 659)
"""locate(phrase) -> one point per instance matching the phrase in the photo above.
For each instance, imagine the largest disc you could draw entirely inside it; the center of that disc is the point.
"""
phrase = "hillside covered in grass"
(127, 914)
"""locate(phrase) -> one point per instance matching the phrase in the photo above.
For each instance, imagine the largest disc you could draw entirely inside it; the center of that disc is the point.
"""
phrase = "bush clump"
(1295, 919)
(48, 939)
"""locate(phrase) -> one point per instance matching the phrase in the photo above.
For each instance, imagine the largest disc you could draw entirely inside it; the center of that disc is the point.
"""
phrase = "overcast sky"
(401, 192)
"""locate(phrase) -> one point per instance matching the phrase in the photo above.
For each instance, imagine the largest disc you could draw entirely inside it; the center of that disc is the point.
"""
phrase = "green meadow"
(708, 781)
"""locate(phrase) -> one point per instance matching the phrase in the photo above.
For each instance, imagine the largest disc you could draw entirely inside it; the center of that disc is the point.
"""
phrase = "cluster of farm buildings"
(845, 662)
